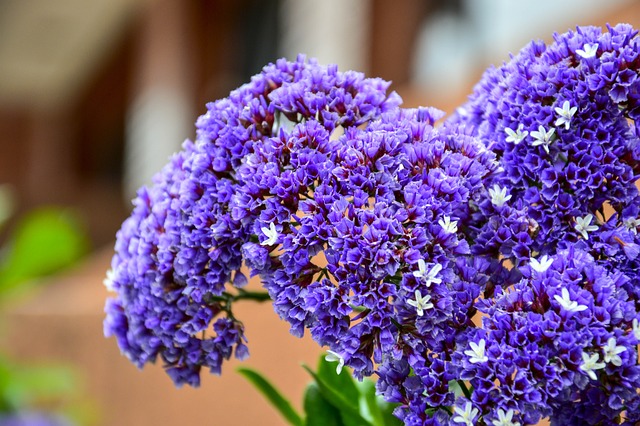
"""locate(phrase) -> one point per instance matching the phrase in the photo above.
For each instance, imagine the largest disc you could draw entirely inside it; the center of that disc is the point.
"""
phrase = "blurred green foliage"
(43, 241)
(25, 386)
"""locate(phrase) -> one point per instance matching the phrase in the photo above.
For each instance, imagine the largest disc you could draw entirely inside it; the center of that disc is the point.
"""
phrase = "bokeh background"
(96, 94)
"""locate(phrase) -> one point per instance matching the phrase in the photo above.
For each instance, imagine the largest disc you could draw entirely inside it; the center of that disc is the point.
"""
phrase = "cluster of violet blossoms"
(485, 270)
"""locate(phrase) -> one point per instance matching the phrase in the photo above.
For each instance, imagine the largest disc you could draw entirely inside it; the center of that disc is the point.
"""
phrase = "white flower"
(430, 277)
(565, 114)
(108, 281)
(448, 226)
(541, 265)
(583, 226)
(568, 304)
(590, 364)
(467, 415)
(272, 235)
(334, 356)
(636, 329)
(498, 195)
(516, 136)
(505, 419)
(588, 50)
(422, 303)
(611, 351)
(543, 137)
(476, 353)
(632, 225)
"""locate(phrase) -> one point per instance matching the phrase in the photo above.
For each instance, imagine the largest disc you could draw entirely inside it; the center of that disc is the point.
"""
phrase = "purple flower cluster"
(561, 343)
(178, 256)
(560, 329)
(358, 237)
(484, 270)
(561, 120)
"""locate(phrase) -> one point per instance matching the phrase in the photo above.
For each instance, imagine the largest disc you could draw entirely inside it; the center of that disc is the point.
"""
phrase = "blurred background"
(94, 97)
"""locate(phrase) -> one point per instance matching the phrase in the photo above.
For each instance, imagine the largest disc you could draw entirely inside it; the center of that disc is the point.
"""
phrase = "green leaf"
(319, 412)
(273, 395)
(374, 406)
(369, 402)
(45, 241)
(387, 412)
(348, 408)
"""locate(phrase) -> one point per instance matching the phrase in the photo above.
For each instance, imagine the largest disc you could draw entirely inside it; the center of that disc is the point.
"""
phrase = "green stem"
(464, 388)
(228, 298)
(256, 296)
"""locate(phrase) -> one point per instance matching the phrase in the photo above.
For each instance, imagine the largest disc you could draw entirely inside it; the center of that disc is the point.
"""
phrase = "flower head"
(611, 352)
(583, 225)
(568, 304)
(541, 265)
(498, 195)
(632, 224)
(543, 137)
(430, 276)
(590, 364)
(565, 114)
(505, 418)
(271, 233)
(589, 50)
(449, 226)
(421, 303)
(515, 136)
(476, 353)
(465, 415)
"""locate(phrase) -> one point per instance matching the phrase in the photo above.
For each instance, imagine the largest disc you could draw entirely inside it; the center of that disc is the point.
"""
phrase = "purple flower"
(577, 106)
(178, 256)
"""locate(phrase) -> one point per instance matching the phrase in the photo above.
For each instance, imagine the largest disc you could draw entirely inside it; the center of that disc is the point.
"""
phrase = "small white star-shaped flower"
(450, 227)
(565, 114)
(498, 195)
(272, 235)
(422, 303)
(590, 364)
(632, 225)
(635, 329)
(583, 226)
(334, 356)
(543, 137)
(611, 351)
(588, 50)
(430, 276)
(505, 419)
(467, 415)
(568, 304)
(516, 136)
(541, 265)
(476, 353)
